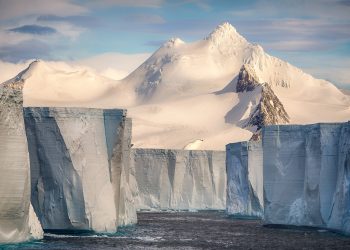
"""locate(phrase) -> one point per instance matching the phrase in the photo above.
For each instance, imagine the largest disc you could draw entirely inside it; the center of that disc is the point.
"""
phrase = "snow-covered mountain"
(206, 93)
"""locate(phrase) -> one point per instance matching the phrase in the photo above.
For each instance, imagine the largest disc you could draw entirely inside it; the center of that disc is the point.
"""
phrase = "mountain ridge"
(214, 91)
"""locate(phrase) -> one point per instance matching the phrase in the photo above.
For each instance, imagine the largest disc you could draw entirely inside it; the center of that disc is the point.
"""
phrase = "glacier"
(18, 221)
(76, 158)
(306, 175)
(170, 179)
(244, 166)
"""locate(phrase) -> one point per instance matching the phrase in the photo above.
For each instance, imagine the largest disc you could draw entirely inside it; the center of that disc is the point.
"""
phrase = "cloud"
(112, 65)
(334, 9)
(82, 21)
(20, 8)
(25, 50)
(118, 62)
(128, 3)
(141, 18)
(34, 29)
(344, 2)
(154, 43)
(9, 70)
(289, 34)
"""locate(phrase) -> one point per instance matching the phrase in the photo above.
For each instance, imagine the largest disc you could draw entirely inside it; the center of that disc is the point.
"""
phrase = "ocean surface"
(193, 230)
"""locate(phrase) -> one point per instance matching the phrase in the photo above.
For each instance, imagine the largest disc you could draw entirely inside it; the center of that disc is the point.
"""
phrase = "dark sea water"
(194, 230)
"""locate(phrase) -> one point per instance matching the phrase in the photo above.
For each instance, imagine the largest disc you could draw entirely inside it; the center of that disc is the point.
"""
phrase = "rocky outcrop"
(247, 79)
(269, 111)
(180, 179)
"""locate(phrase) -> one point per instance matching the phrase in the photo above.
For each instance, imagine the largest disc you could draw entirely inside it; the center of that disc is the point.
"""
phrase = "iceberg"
(306, 175)
(180, 179)
(18, 221)
(244, 179)
(128, 185)
(75, 163)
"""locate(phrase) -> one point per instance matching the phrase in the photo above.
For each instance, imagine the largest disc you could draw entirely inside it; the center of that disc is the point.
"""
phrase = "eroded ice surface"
(180, 179)
(17, 221)
(244, 179)
(128, 185)
(306, 175)
(76, 162)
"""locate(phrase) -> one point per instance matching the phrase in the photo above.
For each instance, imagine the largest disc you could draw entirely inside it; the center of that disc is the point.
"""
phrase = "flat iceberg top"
(179, 151)
(293, 127)
(71, 112)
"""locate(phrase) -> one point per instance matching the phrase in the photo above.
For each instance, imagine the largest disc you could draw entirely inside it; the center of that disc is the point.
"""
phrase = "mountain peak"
(173, 42)
(35, 66)
(225, 27)
(225, 32)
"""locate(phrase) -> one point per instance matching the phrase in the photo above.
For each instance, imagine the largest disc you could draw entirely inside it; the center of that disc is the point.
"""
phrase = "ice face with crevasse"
(180, 179)
(18, 221)
(244, 179)
(306, 175)
(76, 162)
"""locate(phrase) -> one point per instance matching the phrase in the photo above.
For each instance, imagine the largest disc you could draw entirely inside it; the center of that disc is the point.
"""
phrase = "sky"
(119, 34)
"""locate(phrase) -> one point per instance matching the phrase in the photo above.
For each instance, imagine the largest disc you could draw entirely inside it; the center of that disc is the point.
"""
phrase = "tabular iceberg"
(244, 179)
(75, 163)
(306, 175)
(180, 179)
(128, 185)
(18, 221)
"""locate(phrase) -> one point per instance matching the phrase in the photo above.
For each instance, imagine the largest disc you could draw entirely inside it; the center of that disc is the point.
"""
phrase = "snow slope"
(186, 92)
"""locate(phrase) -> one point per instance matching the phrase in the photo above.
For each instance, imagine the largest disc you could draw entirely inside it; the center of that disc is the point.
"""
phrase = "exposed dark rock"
(269, 111)
(247, 80)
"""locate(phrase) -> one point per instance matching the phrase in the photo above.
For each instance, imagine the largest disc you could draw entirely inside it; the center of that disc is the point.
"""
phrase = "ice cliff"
(18, 221)
(128, 185)
(306, 175)
(180, 179)
(244, 179)
(76, 160)
(298, 175)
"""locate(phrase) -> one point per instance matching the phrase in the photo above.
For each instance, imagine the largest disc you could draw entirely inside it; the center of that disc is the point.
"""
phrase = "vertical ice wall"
(128, 185)
(18, 222)
(306, 175)
(244, 179)
(75, 158)
(180, 179)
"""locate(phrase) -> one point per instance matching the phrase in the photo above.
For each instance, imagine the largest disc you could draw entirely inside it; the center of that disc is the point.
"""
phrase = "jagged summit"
(247, 79)
(173, 42)
(225, 32)
(269, 111)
